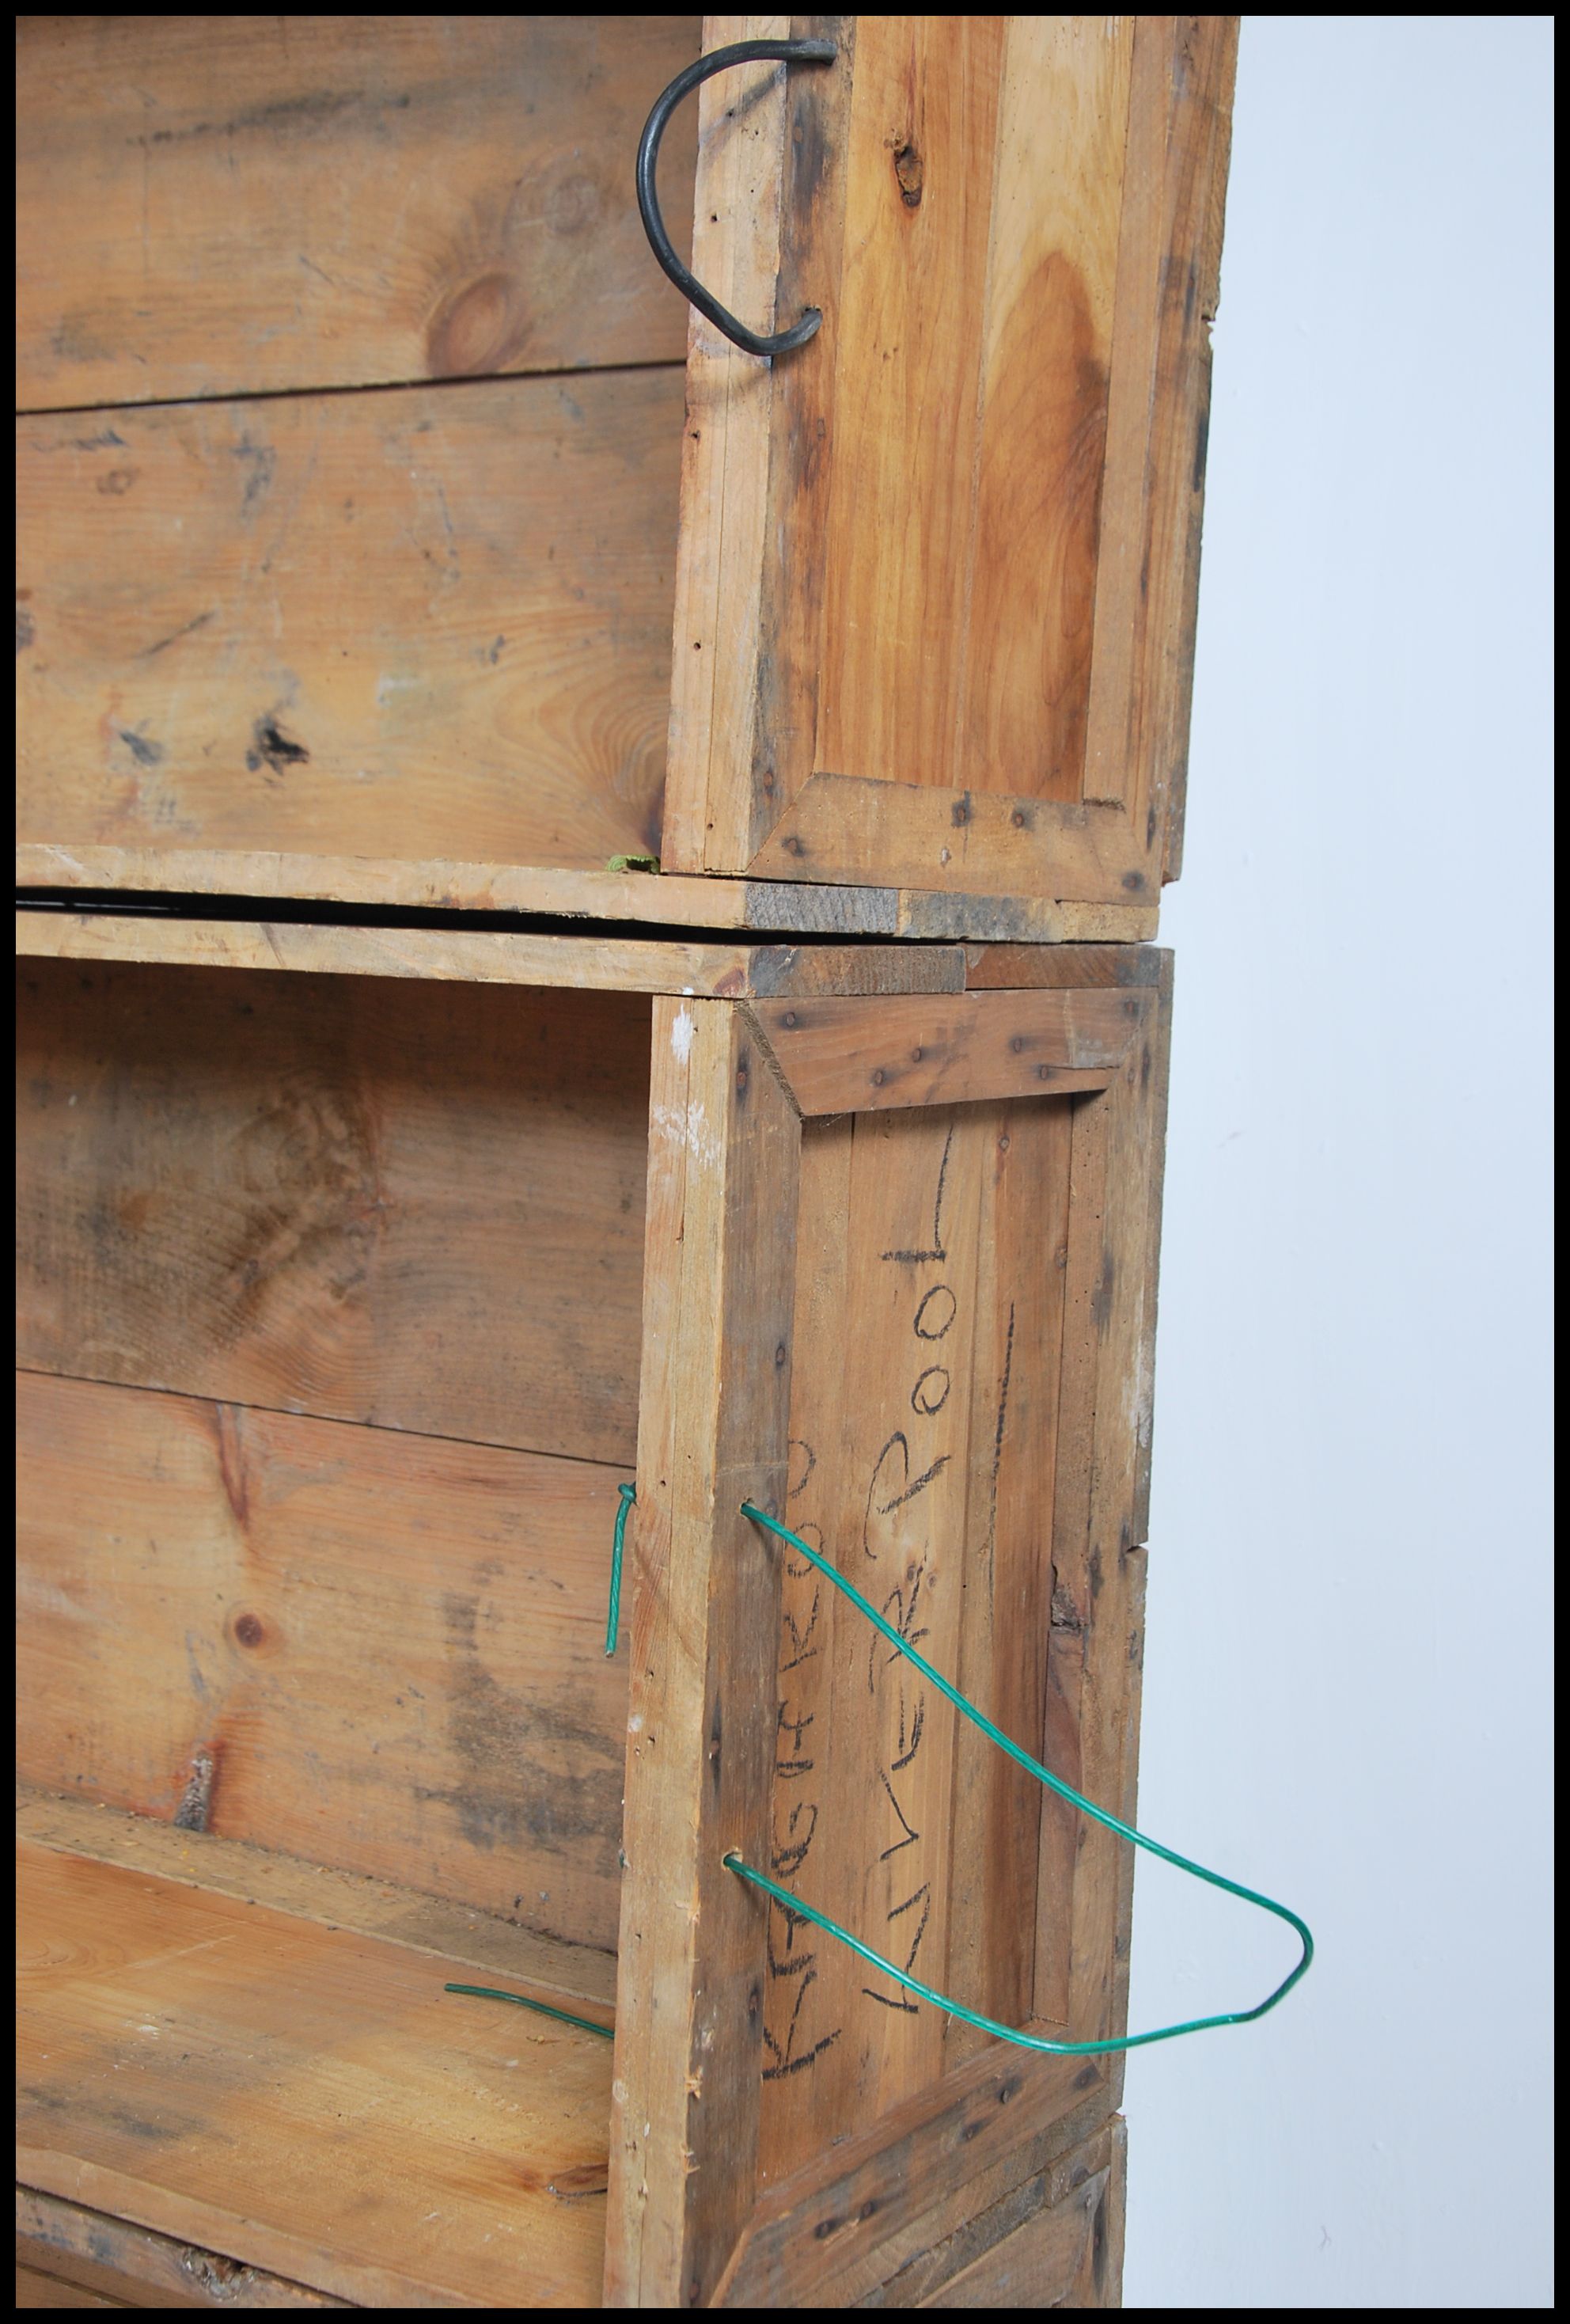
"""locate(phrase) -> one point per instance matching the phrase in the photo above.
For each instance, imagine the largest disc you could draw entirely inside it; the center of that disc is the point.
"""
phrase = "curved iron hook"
(740, 52)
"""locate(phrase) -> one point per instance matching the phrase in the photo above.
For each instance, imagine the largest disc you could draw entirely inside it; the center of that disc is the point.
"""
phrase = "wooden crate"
(357, 1269)
(363, 492)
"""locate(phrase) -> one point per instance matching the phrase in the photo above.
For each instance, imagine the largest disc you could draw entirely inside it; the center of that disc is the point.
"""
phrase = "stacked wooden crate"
(401, 1174)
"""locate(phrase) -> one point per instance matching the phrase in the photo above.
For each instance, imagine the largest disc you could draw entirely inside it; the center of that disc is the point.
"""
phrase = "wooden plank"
(723, 1151)
(304, 2100)
(362, 1200)
(282, 203)
(908, 419)
(823, 2226)
(854, 827)
(971, 2216)
(36, 2290)
(1046, 357)
(581, 963)
(880, 1422)
(1067, 2254)
(741, 127)
(383, 1652)
(435, 623)
(492, 1942)
(666, 899)
(843, 1057)
(1005, 966)
(91, 2260)
(996, 1814)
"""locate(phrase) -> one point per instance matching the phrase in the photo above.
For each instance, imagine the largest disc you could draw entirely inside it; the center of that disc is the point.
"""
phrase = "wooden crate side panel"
(430, 623)
(1066, 2253)
(977, 473)
(403, 1203)
(226, 204)
(378, 1652)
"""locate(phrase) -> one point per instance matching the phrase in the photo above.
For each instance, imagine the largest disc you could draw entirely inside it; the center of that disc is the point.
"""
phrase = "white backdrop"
(1346, 1685)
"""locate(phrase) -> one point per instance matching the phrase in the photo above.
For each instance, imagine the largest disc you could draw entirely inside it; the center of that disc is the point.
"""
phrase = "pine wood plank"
(83, 2258)
(434, 624)
(320, 1892)
(1045, 365)
(583, 964)
(257, 202)
(843, 1057)
(380, 1652)
(716, 640)
(34, 2289)
(1067, 2254)
(343, 1196)
(724, 1144)
(854, 827)
(303, 2100)
(669, 900)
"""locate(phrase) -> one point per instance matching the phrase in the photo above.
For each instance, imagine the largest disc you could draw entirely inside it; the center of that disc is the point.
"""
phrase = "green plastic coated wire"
(629, 1495)
(490, 1992)
(794, 1904)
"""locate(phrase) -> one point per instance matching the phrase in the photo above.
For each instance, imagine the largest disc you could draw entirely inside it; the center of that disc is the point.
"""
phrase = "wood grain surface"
(488, 956)
(220, 205)
(85, 2259)
(302, 2099)
(383, 1653)
(367, 1201)
(435, 623)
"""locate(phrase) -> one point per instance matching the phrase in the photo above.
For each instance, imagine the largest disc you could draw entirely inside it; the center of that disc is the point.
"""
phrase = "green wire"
(629, 1495)
(490, 1993)
(1053, 1782)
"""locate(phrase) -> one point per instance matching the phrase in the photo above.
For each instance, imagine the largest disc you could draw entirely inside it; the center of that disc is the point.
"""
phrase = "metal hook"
(740, 52)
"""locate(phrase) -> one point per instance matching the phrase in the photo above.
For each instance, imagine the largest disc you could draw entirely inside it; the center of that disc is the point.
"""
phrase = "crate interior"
(328, 1338)
(349, 410)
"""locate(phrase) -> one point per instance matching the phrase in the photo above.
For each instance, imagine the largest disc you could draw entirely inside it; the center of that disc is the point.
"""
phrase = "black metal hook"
(740, 52)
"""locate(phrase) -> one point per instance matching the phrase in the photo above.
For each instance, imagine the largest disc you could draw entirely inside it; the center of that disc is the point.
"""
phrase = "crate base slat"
(301, 2097)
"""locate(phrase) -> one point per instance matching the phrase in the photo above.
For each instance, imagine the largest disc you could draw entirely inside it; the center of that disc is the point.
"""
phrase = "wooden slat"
(224, 204)
(669, 900)
(93, 2260)
(364, 1200)
(839, 1056)
(724, 1146)
(34, 2289)
(855, 826)
(491, 1941)
(1067, 2254)
(383, 1653)
(584, 963)
(716, 639)
(304, 2100)
(432, 624)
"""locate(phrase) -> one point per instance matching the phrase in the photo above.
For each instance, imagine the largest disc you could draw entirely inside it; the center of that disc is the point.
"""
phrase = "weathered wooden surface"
(839, 1056)
(932, 531)
(430, 623)
(362, 1200)
(383, 1652)
(303, 2100)
(670, 899)
(1063, 2249)
(79, 2258)
(219, 205)
(724, 1143)
(456, 955)
(928, 1324)
(491, 1941)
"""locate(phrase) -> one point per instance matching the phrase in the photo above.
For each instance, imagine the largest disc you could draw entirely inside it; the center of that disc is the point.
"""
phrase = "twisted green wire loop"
(629, 1495)
(793, 1903)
